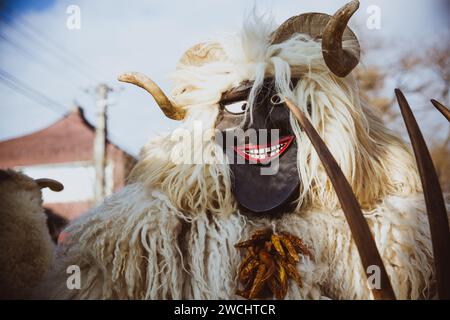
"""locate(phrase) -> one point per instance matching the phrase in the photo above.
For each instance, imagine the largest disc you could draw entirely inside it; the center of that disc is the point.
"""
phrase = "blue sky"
(27, 5)
(146, 36)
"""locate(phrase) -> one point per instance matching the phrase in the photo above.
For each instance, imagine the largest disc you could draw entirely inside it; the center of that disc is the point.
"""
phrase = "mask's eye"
(276, 99)
(236, 107)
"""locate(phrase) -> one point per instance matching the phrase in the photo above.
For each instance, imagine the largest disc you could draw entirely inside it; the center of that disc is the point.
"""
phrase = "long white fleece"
(136, 245)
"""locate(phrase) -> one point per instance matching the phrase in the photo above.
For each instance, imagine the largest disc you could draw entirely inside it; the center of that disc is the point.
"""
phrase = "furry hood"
(375, 161)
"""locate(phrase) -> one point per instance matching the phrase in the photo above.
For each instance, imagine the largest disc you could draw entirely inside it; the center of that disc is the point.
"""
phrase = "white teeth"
(263, 153)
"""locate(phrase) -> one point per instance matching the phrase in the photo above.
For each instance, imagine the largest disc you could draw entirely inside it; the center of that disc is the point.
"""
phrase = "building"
(64, 151)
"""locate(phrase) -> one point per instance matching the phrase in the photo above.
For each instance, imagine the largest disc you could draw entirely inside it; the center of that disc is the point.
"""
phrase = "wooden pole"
(100, 142)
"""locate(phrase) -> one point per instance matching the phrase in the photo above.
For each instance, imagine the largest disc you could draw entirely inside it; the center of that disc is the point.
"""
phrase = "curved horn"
(442, 109)
(359, 228)
(339, 60)
(434, 201)
(332, 30)
(168, 107)
(49, 183)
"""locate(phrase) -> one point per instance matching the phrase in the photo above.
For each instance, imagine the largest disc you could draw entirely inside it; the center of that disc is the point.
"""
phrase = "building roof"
(69, 139)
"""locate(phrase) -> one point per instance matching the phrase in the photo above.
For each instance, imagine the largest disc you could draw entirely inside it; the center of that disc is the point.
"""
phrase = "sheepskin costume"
(170, 233)
(26, 249)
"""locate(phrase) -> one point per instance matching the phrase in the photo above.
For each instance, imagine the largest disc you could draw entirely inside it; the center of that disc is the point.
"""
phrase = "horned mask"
(258, 193)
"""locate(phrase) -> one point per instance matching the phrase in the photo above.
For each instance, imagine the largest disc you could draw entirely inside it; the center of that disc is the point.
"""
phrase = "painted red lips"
(264, 153)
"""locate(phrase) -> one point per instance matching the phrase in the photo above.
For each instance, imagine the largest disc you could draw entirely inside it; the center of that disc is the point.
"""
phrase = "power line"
(81, 69)
(26, 94)
(32, 94)
(54, 43)
(28, 54)
(11, 14)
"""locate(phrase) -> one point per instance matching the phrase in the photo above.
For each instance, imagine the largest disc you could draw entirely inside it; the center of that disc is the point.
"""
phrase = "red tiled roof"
(69, 139)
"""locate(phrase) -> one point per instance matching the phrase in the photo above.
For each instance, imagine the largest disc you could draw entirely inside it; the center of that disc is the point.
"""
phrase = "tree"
(421, 74)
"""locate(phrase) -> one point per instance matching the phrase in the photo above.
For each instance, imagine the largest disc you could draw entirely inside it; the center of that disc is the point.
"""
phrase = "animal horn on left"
(170, 109)
(49, 183)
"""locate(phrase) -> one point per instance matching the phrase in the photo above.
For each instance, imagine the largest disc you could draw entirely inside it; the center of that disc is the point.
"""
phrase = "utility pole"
(100, 155)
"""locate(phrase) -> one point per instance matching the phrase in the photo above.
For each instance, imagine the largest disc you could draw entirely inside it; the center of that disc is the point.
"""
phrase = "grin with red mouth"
(264, 153)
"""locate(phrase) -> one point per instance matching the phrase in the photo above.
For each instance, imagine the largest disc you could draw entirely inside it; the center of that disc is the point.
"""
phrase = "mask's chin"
(287, 206)
(266, 194)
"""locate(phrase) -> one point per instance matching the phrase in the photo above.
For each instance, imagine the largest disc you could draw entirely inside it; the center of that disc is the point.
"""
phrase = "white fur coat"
(170, 233)
(138, 246)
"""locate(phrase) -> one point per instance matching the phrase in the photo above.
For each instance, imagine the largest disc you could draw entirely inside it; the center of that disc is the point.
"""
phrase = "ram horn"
(339, 60)
(49, 183)
(171, 110)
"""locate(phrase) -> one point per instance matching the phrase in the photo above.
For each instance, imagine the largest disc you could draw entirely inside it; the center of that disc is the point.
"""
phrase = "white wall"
(77, 177)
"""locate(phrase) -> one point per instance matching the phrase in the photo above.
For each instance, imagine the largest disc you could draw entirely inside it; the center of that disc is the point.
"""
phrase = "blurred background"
(59, 61)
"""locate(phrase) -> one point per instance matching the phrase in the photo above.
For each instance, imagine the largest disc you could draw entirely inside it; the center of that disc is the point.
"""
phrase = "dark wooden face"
(261, 149)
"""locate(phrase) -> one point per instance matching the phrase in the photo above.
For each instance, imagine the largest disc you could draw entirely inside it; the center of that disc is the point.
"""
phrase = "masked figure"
(240, 163)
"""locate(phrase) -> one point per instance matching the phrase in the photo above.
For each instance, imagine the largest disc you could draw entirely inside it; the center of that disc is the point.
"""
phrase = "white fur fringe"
(138, 246)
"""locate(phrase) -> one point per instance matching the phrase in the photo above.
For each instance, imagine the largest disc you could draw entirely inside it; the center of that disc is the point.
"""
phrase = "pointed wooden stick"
(442, 109)
(359, 228)
(437, 214)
